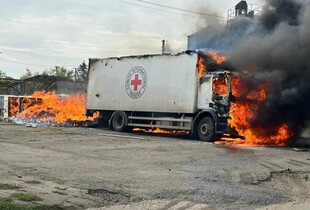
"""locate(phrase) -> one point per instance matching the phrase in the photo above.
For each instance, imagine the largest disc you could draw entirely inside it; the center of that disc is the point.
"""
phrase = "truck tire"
(206, 129)
(119, 121)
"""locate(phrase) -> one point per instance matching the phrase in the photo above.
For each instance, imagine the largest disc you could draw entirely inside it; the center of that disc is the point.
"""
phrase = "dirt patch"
(110, 197)
(293, 184)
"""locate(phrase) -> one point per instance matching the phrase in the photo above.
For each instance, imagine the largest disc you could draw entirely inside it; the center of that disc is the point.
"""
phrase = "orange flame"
(219, 59)
(201, 64)
(201, 67)
(55, 110)
(14, 105)
(161, 131)
(220, 86)
(246, 110)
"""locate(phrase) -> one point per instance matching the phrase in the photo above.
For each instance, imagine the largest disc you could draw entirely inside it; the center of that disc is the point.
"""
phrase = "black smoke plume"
(276, 45)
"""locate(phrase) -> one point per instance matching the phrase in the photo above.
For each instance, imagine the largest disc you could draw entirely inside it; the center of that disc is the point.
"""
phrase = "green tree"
(61, 72)
(29, 86)
(31, 83)
(81, 73)
(2, 75)
(6, 83)
(28, 74)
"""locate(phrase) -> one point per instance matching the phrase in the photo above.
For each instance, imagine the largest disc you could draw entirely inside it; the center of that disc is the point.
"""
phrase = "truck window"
(220, 86)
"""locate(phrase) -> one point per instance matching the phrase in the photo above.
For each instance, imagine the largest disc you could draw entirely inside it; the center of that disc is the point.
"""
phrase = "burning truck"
(160, 91)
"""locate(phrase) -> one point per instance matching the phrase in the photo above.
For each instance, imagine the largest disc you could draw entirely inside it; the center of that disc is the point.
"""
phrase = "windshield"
(220, 86)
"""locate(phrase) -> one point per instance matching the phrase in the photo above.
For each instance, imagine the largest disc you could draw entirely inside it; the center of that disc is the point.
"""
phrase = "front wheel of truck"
(206, 129)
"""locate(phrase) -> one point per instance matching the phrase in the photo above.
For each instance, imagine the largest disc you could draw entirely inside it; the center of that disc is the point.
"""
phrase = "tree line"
(78, 74)
(24, 85)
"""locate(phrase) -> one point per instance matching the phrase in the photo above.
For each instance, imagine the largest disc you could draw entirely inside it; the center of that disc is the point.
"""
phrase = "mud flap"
(233, 133)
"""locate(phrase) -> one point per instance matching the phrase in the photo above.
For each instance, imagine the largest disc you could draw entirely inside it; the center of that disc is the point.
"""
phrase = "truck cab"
(214, 96)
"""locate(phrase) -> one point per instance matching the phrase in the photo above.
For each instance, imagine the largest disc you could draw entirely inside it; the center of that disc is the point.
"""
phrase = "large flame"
(51, 109)
(246, 109)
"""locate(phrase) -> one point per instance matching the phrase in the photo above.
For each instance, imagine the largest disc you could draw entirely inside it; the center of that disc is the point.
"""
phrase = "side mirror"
(232, 98)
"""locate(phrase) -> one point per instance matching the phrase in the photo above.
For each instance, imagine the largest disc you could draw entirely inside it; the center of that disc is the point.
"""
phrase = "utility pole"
(163, 47)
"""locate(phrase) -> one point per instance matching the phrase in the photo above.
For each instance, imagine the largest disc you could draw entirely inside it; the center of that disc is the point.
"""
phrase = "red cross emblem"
(136, 82)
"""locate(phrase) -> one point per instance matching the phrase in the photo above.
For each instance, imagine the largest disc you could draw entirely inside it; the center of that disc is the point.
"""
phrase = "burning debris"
(50, 109)
(161, 131)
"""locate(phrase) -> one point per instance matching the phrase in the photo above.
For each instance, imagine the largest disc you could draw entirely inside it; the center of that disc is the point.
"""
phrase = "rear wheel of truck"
(119, 121)
(206, 129)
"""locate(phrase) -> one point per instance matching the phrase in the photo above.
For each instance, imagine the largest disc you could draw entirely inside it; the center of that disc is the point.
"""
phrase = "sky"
(40, 34)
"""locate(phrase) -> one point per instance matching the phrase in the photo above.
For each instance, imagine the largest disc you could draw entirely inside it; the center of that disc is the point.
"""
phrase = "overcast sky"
(39, 34)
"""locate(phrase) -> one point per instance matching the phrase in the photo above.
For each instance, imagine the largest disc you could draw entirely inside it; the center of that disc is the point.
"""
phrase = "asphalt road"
(80, 168)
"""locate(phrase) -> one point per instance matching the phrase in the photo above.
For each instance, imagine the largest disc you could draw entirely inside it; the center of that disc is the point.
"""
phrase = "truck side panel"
(170, 84)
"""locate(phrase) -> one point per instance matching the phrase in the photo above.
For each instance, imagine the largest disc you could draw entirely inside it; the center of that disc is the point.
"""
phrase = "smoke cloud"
(275, 46)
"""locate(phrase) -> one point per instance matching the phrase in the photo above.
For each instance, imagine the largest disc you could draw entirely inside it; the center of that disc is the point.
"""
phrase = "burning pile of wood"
(48, 109)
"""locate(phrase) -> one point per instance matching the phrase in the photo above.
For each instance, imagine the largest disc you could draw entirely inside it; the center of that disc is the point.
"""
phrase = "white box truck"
(159, 91)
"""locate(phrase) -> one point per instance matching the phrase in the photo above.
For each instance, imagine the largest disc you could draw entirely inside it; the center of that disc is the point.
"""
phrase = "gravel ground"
(80, 168)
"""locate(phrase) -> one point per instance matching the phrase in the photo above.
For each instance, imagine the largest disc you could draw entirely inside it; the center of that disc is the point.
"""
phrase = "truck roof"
(189, 52)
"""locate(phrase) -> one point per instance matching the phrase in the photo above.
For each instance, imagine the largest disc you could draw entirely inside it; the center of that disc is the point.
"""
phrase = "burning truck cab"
(215, 88)
(174, 92)
(214, 96)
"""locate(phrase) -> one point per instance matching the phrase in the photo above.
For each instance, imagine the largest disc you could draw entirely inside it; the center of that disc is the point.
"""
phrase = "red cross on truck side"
(136, 82)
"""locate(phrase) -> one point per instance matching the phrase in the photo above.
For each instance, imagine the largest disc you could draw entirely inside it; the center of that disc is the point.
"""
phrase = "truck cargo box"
(151, 83)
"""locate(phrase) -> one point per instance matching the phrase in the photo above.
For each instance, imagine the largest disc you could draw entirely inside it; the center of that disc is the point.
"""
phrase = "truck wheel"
(119, 121)
(206, 129)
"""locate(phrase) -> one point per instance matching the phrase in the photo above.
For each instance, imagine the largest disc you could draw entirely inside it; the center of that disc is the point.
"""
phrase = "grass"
(5, 200)
(7, 204)
(26, 197)
(33, 182)
(8, 187)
